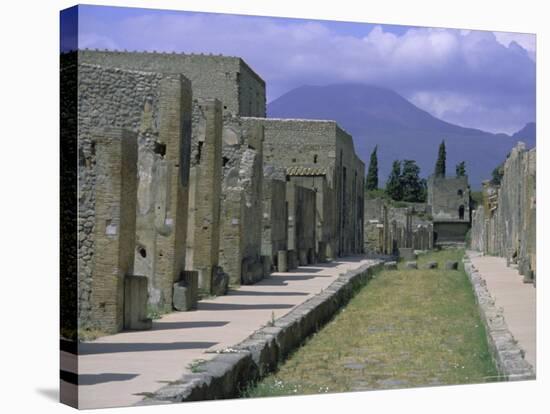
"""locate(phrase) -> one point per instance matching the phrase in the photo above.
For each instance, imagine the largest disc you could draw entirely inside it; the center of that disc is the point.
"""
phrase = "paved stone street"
(113, 370)
(517, 299)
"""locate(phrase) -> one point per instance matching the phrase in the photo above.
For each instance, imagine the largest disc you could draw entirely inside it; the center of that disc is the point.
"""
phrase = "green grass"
(405, 328)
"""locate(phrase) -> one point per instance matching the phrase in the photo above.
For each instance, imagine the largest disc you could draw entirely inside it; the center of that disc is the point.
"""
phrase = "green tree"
(372, 176)
(393, 185)
(441, 162)
(413, 188)
(461, 169)
(497, 174)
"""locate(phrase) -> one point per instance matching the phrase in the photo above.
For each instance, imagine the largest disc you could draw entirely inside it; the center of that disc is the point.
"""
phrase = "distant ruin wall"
(388, 228)
(226, 78)
(505, 225)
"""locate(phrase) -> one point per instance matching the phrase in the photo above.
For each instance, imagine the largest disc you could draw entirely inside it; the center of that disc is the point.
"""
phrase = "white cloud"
(451, 73)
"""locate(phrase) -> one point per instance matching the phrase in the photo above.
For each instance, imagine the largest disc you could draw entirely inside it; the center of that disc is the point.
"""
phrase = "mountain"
(379, 116)
(527, 133)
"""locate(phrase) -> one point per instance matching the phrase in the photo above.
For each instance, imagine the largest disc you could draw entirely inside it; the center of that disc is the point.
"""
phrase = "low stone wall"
(260, 353)
(507, 355)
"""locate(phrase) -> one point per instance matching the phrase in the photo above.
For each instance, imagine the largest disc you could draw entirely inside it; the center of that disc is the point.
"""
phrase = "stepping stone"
(451, 265)
(392, 382)
(411, 265)
(390, 266)
(354, 365)
(431, 265)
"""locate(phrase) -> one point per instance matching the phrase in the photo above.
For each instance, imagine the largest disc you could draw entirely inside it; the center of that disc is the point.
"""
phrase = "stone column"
(115, 221)
(204, 228)
(175, 133)
(282, 261)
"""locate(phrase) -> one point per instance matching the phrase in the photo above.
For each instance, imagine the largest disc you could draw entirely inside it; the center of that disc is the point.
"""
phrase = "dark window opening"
(293, 159)
(225, 160)
(459, 193)
(159, 148)
(461, 212)
(199, 153)
(142, 252)
(315, 159)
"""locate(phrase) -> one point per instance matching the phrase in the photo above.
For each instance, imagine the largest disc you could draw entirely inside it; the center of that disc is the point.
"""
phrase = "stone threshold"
(234, 368)
(508, 356)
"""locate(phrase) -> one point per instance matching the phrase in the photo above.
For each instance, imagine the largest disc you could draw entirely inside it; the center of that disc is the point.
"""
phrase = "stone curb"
(236, 367)
(505, 351)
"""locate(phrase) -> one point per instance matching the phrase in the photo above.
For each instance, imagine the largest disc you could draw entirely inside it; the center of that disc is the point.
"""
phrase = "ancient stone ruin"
(449, 198)
(185, 188)
(389, 228)
(505, 223)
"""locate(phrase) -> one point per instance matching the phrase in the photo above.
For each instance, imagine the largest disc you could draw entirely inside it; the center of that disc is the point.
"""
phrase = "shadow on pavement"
(92, 348)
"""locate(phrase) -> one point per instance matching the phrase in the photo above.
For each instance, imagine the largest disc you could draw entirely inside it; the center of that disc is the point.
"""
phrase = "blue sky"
(477, 79)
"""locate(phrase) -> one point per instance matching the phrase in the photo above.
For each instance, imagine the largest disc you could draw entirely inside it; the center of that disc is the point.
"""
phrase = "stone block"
(185, 294)
(407, 253)
(220, 281)
(282, 261)
(292, 259)
(252, 271)
(411, 265)
(135, 303)
(311, 256)
(302, 257)
(431, 265)
(322, 255)
(451, 265)
(390, 266)
(266, 264)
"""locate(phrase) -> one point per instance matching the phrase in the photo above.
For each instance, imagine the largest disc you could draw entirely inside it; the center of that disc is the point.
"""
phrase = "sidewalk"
(517, 299)
(114, 370)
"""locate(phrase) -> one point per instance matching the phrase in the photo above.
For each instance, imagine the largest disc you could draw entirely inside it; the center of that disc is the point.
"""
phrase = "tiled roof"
(293, 171)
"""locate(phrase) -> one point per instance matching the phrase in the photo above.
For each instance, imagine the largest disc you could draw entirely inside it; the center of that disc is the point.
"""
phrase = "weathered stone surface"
(322, 158)
(135, 303)
(431, 265)
(220, 281)
(114, 190)
(451, 265)
(282, 261)
(226, 78)
(507, 355)
(186, 291)
(411, 265)
(203, 234)
(407, 253)
(505, 224)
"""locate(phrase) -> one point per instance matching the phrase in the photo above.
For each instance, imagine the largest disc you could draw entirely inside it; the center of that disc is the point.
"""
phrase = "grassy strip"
(406, 328)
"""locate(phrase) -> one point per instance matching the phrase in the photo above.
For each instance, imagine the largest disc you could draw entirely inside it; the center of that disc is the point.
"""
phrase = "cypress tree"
(461, 169)
(411, 184)
(372, 176)
(393, 185)
(441, 160)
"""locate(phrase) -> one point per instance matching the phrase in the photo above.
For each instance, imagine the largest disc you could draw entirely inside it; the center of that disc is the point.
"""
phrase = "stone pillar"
(204, 212)
(302, 257)
(175, 134)
(135, 303)
(115, 220)
(282, 261)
